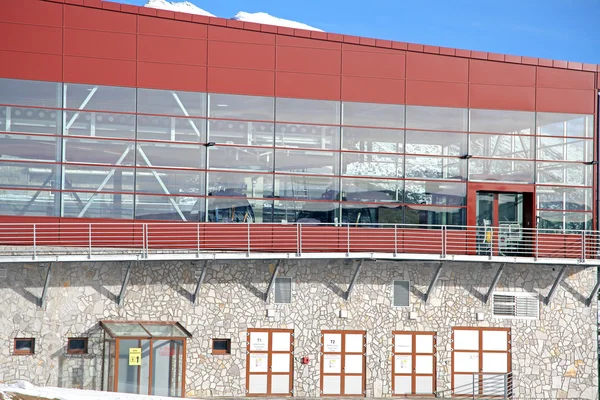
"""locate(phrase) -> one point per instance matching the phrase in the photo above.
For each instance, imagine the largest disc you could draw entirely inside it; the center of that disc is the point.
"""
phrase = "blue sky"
(558, 29)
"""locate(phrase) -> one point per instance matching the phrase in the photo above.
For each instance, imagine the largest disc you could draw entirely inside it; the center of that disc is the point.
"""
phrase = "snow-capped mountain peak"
(182, 6)
(264, 18)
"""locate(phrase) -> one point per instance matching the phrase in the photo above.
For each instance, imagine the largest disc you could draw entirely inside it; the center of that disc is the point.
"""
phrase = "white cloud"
(183, 6)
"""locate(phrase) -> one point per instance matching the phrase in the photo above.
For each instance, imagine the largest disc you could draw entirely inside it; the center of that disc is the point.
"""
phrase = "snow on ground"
(264, 18)
(183, 6)
(28, 389)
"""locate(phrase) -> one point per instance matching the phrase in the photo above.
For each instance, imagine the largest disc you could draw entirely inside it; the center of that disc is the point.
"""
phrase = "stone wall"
(552, 357)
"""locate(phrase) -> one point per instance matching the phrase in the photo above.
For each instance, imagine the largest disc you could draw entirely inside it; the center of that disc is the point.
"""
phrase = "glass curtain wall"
(89, 151)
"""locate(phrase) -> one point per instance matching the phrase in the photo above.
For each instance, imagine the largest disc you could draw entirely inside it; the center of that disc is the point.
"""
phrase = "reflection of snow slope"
(183, 6)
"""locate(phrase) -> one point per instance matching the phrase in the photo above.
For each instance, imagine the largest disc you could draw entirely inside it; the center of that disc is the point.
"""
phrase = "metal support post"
(42, 303)
(272, 281)
(199, 283)
(488, 296)
(433, 282)
(124, 284)
(354, 279)
(559, 278)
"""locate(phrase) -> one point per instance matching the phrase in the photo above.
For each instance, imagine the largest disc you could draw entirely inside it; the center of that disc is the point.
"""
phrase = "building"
(207, 207)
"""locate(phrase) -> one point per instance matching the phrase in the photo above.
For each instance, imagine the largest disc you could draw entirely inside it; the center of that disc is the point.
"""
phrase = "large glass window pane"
(372, 213)
(171, 129)
(372, 190)
(118, 126)
(240, 158)
(236, 209)
(43, 203)
(436, 193)
(96, 178)
(562, 198)
(99, 98)
(565, 149)
(30, 120)
(306, 212)
(370, 114)
(502, 121)
(169, 208)
(373, 140)
(308, 111)
(235, 184)
(436, 118)
(168, 181)
(98, 151)
(241, 107)
(431, 215)
(553, 124)
(241, 133)
(501, 146)
(501, 170)
(170, 155)
(97, 205)
(33, 148)
(30, 93)
(170, 102)
(435, 167)
(307, 161)
(307, 136)
(436, 143)
(557, 221)
(564, 173)
(377, 165)
(29, 175)
(303, 187)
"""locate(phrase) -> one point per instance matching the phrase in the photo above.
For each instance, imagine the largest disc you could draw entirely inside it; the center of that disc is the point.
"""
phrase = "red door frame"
(474, 187)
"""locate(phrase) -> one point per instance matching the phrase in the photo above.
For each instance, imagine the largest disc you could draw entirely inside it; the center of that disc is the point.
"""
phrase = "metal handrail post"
(299, 233)
(582, 245)
(90, 240)
(34, 241)
(444, 238)
(348, 239)
(395, 240)
(536, 254)
(473, 385)
(248, 236)
(198, 239)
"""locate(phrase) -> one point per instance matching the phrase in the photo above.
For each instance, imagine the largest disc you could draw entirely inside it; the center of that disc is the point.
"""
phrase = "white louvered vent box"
(516, 305)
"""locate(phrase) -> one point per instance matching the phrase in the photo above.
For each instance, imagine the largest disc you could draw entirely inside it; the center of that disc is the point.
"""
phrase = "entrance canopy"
(145, 329)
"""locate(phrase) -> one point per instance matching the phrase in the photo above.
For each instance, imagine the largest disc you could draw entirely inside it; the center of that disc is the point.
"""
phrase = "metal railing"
(481, 386)
(138, 240)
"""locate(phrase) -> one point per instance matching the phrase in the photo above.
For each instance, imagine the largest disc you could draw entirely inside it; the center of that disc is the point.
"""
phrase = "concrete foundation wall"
(552, 357)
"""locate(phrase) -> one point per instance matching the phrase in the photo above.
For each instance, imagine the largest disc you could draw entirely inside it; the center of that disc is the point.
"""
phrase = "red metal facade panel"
(171, 50)
(171, 76)
(304, 42)
(241, 81)
(565, 100)
(375, 64)
(241, 36)
(241, 55)
(166, 27)
(101, 20)
(100, 71)
(307, 86)
(433, 67)
(498, 73)
(32, 12)
(307, 60)
(31, 38)
(34, 66)
(564, 79)
(120, 46)
(372, 90)
(440, 94)
(502, 97)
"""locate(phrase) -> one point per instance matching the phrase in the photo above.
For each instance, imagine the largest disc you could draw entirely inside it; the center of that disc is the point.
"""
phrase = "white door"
(269, 362)
(343, 363)
(414, 363)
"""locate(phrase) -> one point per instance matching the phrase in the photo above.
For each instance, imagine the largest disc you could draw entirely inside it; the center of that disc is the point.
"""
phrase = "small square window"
(221, 346)
(77, 346)
(401, 293)
(283, 290)
(24, 346)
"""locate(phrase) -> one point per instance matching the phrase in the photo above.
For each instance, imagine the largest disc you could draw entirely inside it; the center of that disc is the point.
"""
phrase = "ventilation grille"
(516, 305)
(283, 290)
(401, 293)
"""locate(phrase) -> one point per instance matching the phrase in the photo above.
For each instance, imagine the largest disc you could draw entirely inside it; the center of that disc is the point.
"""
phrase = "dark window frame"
(23, 352)
(220, 351)
(77, 351)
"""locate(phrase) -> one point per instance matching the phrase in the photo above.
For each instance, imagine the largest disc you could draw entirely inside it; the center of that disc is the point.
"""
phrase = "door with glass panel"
(414, 363)
(343, 363)
(269, 362)
(481, 360)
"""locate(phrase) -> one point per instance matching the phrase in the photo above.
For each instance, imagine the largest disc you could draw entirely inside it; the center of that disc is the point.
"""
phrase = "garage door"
(269, 362)
(480, 358)
(343, 363)
(414, 363)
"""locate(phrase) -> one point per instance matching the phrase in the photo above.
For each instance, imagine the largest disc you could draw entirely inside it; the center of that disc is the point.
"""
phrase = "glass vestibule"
(145, 357)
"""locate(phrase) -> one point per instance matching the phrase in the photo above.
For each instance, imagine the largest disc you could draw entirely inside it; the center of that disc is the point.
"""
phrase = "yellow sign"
(135, 356)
